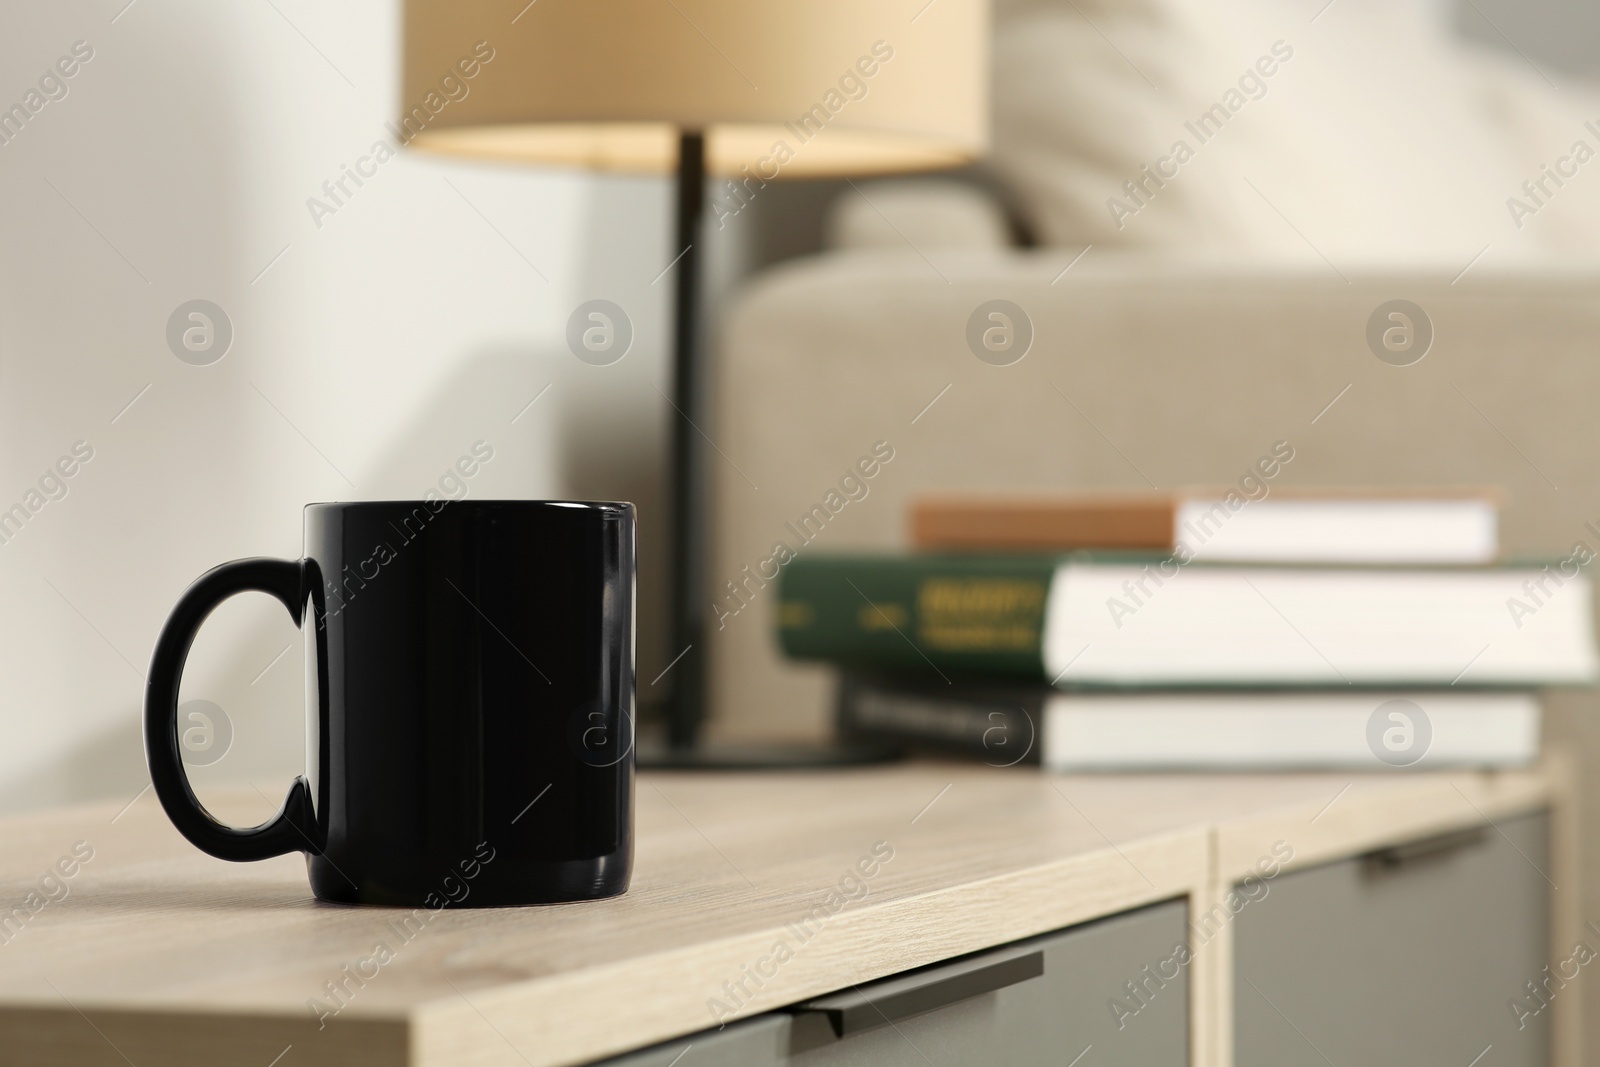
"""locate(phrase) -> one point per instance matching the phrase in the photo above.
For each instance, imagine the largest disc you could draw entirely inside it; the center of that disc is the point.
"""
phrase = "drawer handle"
(1407, 853)
(938, 986)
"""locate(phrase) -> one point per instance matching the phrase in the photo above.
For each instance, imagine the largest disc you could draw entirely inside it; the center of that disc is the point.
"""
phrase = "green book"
(967, 614)
(1152, 621)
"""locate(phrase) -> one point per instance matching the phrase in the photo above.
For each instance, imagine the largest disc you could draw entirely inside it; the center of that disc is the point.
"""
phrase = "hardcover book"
(1278, 525)
(1358, 730)
(1153, 621)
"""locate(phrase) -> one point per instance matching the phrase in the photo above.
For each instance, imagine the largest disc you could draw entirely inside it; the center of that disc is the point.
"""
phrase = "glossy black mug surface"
(472, 730)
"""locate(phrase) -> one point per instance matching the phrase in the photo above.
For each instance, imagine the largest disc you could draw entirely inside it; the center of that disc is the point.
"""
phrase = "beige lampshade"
(790, 88)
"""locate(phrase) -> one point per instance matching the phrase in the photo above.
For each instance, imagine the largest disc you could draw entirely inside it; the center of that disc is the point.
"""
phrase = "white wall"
(378, 348)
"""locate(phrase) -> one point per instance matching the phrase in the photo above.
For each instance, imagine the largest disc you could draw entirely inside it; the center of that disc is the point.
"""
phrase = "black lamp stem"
(685, 708)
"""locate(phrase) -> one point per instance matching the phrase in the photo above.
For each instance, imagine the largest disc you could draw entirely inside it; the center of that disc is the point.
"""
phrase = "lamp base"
(766, 755)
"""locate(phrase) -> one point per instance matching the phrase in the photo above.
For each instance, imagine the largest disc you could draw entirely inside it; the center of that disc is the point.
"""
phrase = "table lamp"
(747, 91)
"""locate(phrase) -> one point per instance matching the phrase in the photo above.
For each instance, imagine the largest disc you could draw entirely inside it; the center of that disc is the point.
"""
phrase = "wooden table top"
(152, 952)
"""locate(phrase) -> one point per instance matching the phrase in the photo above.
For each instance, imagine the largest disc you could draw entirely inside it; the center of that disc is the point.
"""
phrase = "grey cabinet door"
(759, 1042)
(1415, 956)
(1068, 1016)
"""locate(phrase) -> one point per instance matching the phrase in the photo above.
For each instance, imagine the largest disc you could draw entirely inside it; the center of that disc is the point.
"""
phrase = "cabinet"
(1371, 952)
(1410, 955)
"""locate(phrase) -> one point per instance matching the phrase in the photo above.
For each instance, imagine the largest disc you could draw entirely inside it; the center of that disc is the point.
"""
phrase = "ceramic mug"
(471, 679)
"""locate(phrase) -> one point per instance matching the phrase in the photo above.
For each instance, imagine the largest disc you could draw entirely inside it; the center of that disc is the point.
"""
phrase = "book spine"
(956, 523)
(932, 615)
(1002, 730)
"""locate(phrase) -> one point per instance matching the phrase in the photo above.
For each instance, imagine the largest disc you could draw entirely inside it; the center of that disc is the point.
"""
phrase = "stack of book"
(1201, 630)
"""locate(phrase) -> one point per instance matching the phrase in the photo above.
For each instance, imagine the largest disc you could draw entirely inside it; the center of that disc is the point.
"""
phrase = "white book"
(1353, 526)
(1127, 624)
(1095, 730)
(1277, 731)
(1375, 530)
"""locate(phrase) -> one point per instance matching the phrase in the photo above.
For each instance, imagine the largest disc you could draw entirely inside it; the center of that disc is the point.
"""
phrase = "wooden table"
(159, 954)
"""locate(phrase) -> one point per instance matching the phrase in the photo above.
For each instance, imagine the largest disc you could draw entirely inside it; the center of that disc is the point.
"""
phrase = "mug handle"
(294, 828)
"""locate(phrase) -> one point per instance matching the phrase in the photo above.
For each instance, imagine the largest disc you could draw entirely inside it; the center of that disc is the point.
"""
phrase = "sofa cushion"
(1352, 133)
(924, 213)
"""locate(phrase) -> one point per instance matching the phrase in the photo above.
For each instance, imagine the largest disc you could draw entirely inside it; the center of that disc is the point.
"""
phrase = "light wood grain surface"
(160, 954)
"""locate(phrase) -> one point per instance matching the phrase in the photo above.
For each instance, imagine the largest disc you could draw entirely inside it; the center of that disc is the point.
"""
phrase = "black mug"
(472, 735)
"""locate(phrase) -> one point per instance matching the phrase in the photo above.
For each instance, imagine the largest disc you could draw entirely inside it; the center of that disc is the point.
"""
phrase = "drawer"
(758, 1042)
(1407, 956)
(1051, 1019)
(990, 1008)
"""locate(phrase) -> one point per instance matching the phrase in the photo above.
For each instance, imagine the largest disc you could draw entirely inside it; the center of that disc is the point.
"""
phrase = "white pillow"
(1361, 135)
(926, 212)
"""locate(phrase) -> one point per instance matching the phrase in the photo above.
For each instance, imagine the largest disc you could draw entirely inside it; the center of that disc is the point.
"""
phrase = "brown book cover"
(1047, 523)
